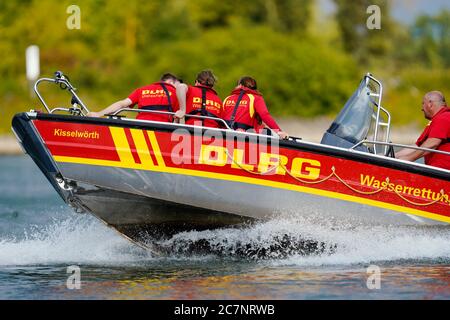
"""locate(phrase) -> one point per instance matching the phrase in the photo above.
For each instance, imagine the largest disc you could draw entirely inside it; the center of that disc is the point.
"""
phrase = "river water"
(42, 241)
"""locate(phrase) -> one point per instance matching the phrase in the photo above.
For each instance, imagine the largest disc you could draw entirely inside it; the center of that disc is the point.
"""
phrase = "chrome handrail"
(37, 91)
(380, 109)
(61, 80)
(59, 109)
(399, 145)
(168, 113)
(173, 113)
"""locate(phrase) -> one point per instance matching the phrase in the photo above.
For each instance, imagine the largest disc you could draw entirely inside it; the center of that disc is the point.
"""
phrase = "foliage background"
(306, 64)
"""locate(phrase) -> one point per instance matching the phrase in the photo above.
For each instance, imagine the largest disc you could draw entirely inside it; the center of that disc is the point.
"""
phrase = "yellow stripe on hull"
(141, 147)
(122, 146)
(254, 181)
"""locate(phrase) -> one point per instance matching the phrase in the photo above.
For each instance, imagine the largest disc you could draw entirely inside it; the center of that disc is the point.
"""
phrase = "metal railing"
(116, 113)
(390, 144)
(64, 84)
(378, 122)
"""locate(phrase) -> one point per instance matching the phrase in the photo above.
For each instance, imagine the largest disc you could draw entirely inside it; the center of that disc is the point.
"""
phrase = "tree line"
(306, 64)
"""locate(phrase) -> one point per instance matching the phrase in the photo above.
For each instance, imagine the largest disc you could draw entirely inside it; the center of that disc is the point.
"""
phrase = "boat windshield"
(354, 121)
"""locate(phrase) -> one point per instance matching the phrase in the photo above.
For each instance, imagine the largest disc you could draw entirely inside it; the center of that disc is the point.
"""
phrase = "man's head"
(206, 78)
(170, 78)
(248, 82)
(431, 104)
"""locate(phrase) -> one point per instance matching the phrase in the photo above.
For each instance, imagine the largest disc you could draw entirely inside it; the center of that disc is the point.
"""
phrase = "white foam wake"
(343, 245)
(364, 245)
(78, 239)
(84, 240)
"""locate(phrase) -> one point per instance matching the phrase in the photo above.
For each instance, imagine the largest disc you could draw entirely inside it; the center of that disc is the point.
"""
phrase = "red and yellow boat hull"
(232, 176)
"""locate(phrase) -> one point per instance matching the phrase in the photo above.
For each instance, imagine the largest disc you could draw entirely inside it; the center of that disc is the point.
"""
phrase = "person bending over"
(158, 96)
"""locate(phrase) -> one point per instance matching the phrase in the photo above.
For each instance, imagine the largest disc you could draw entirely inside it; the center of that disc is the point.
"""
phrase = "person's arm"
(406, 152)
(413, 154)
(182, 89)
(263, 112)
(125, 103)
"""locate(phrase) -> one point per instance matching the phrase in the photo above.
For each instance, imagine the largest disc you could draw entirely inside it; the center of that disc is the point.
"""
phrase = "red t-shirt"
(194, 103)
(153, 97)
(439, 128)
(252, 103)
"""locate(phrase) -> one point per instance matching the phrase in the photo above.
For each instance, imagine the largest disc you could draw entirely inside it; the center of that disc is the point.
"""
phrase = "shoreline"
(307, 129)
(9, 146)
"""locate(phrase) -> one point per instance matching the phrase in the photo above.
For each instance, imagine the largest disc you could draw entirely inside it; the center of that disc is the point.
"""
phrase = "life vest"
(202, 100)
(161, 107)
(158, 96)
(239, 110)
(232, 123)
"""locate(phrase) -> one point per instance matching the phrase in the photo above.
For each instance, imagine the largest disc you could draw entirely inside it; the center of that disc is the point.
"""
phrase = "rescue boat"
(150, 179)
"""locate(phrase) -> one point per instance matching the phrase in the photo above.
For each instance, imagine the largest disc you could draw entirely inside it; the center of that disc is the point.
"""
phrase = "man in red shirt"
(245, 109)
(159, 96)
(200, 100)
(436, 134)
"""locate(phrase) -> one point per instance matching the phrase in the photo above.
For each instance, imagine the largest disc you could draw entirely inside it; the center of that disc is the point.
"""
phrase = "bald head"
(432, 102)
(436, 97)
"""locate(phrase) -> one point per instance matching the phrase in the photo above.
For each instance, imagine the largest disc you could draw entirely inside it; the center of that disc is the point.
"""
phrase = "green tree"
(281, 15)
(357, 39)
(123, 45)
(431, 36)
